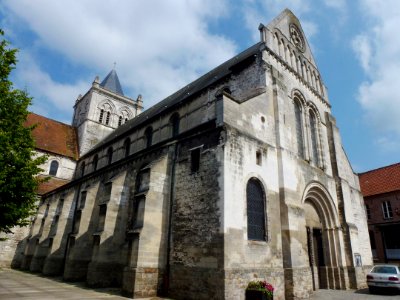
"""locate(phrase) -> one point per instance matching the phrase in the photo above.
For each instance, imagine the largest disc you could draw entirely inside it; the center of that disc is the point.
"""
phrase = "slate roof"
(111, 83)
(379, 181)
(53, 136)
(181, 95)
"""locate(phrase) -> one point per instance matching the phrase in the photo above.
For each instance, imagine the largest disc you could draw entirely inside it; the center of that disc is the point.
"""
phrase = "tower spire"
(111, 82)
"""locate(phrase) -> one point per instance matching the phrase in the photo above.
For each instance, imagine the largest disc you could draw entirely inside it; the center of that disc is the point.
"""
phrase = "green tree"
(18, 163)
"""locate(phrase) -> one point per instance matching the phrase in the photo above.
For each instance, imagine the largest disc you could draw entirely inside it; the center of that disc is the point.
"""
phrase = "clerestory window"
(109, 155)
(148, 136)
(299, 128)
(127, 146)
(175, 120)
(314, 138)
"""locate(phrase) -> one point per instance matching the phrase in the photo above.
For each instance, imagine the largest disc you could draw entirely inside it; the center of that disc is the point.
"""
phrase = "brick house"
(381, 191)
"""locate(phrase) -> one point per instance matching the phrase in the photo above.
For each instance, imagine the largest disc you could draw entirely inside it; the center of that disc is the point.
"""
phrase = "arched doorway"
(315, 245)
(323, 237)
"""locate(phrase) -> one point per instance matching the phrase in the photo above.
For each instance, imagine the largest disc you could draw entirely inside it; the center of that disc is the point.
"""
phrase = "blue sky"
(160, 46)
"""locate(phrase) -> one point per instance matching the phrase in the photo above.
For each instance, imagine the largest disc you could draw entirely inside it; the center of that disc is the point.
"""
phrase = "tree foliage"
(18, 164)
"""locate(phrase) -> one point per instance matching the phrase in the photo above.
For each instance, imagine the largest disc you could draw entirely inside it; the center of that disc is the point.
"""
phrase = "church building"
(240, 175)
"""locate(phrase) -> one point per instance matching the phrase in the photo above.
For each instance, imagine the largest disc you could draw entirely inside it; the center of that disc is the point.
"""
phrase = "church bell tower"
(101, 110)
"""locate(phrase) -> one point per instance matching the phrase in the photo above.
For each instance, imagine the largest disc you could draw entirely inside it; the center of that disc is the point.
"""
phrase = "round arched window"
(53, 168)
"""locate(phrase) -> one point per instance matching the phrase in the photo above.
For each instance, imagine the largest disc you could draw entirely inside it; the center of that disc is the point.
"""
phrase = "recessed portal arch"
(323, 236)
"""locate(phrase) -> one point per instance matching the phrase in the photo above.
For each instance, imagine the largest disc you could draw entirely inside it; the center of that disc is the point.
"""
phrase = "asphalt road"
(16, 284)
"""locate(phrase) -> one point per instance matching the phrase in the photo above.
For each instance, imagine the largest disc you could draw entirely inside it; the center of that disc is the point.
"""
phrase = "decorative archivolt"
(107, 105)
(304, 104)
(105, 111)
(311, 107)
(125, 112)
(308, 129)
(296, 94)
(320, 197)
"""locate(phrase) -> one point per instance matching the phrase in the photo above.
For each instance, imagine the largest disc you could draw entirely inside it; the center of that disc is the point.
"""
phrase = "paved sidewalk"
(23, 285)
(16, 284)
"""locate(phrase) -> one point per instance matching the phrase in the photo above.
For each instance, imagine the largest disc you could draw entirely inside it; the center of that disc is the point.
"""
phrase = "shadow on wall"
(19, 254)
(103, 253)
(12, 247)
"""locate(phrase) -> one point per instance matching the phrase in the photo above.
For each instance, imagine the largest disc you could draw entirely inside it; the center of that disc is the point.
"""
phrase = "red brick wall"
(377, 220)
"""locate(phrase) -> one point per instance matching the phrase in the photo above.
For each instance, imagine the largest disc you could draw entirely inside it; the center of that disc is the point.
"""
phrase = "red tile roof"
(379, 181)
(53, 136)
(50, 184)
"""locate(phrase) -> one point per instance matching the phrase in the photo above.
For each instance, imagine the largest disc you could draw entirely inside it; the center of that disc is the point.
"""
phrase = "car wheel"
(372, 289)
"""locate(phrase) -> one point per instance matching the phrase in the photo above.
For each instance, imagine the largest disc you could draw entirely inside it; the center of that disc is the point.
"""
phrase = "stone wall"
(66, 166)
(197, 257)
(13, 247)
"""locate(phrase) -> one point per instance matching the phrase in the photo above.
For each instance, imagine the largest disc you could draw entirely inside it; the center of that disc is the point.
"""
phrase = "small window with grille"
(83, 165)
(195, 160)
(127, 146)
(138, 215)
(95, 162)
(107, 192)
(387, 210)
(143, 181)
(368, 211)
(59, 206)
(82, 200)
(77, 221)
(110, 155)
(46, 212)
(102, 217)
(259, 158)
(175, 120)
(148, 136)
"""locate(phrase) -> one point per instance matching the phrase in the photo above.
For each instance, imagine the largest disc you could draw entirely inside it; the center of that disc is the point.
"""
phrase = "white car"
(383, 277)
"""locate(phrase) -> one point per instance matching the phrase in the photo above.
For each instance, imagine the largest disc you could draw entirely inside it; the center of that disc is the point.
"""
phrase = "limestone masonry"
(240, 175)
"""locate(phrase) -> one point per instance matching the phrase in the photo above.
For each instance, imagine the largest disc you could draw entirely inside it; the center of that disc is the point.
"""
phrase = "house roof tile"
(53, 136)
(50, 184)
(379, 181)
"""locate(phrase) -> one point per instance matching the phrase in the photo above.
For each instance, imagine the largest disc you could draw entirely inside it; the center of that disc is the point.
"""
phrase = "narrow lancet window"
(314, 138)
(299, 128)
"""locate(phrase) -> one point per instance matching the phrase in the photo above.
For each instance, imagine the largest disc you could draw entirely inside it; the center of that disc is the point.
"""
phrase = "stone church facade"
(239, 175)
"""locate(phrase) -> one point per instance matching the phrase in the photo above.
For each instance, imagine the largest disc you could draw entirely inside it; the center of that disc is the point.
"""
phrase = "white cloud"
(378, 49)
(388, 144)
(362, 46)
(158, 45)
(46, 91)
(255, 10)
(336, 4)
